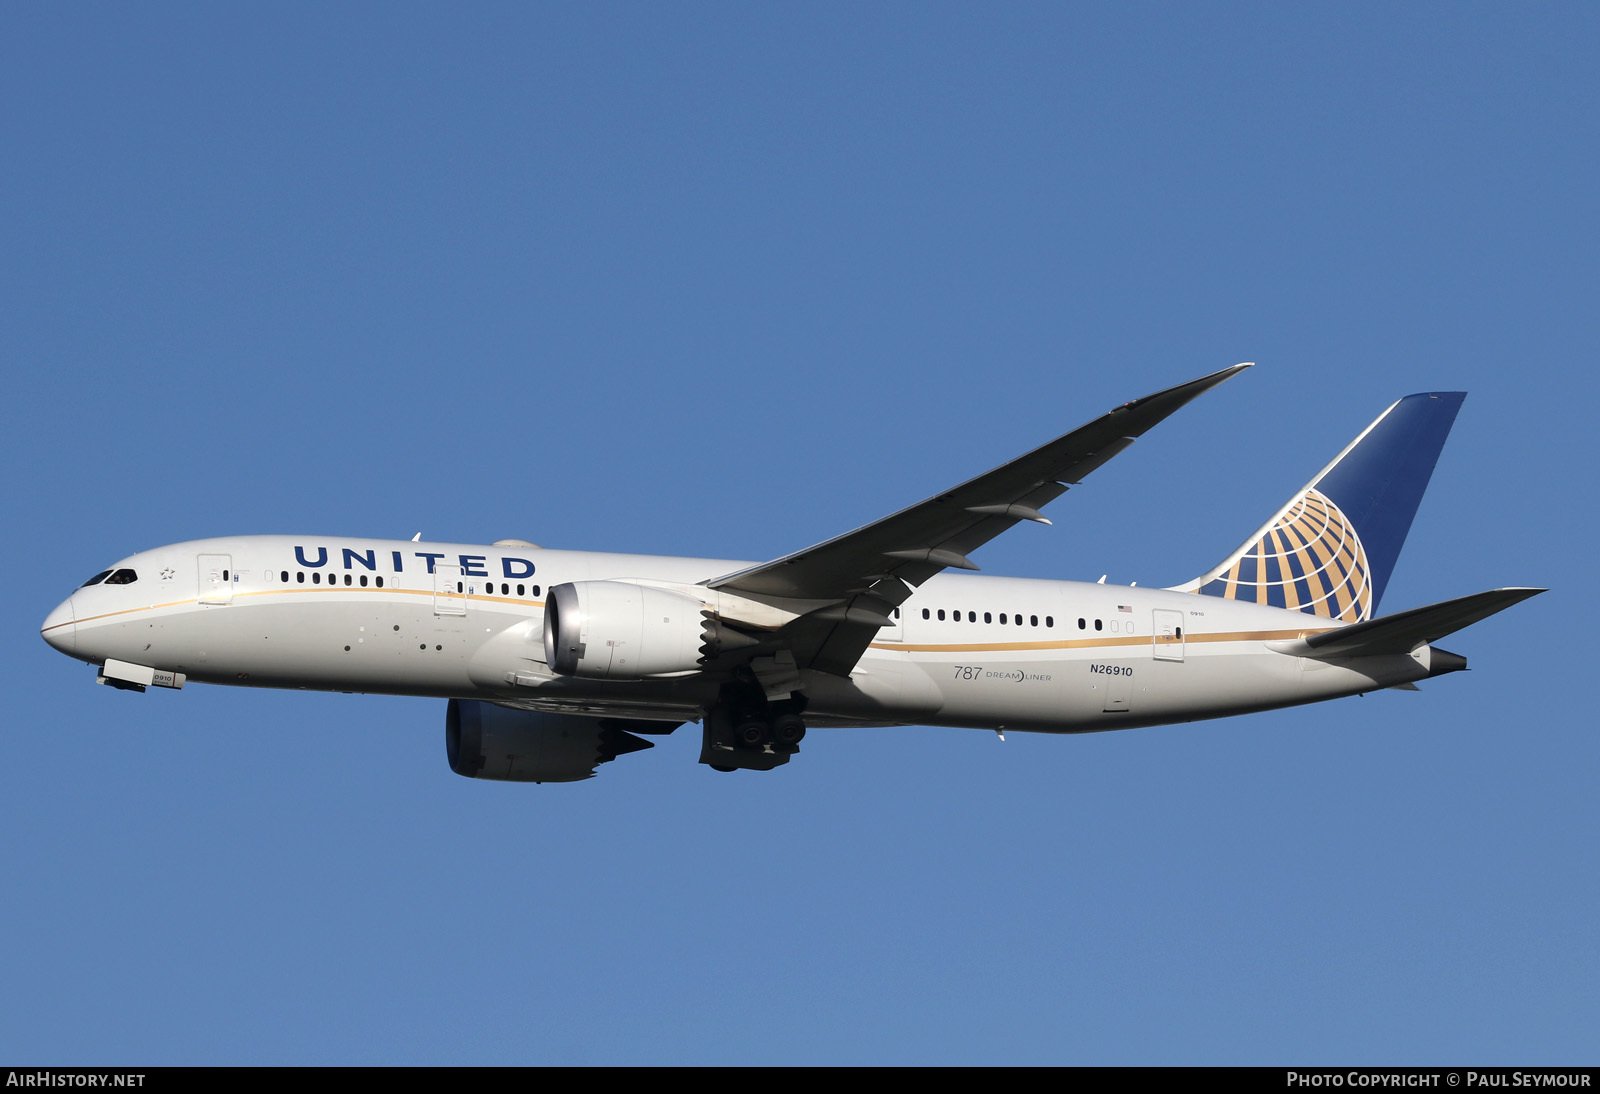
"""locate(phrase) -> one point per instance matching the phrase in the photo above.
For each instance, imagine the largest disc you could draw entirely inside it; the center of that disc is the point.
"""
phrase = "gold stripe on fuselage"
(1092, 643)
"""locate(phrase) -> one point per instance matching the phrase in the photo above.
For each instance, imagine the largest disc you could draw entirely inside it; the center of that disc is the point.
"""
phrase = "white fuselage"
(465, 621)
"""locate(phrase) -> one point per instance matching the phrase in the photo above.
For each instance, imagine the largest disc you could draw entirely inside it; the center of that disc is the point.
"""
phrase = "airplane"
(555, 662)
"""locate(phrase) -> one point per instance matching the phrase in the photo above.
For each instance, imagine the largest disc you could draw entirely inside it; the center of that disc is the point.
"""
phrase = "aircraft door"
(449, 591)
(216, 579)
(1167, 635)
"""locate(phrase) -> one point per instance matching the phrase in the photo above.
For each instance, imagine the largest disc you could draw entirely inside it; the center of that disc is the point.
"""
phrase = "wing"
(865, 574)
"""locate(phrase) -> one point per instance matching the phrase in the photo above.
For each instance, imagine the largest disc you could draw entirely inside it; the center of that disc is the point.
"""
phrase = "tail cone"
(1443, 661)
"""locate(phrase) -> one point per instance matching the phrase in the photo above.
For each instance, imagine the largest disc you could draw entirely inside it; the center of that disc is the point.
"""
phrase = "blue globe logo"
(1310, 560)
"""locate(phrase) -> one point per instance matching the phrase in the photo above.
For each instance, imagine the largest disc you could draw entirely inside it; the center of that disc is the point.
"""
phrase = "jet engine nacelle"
(484, 741)
(616, 630)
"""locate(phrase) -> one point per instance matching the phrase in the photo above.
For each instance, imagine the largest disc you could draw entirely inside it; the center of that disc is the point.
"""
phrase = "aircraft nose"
(60, 628)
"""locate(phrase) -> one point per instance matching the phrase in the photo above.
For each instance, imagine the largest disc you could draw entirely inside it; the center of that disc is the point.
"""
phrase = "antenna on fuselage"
(416, 538)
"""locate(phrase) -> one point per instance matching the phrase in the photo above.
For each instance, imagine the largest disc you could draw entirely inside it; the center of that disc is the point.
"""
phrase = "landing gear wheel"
(787, 730)
(752, 734)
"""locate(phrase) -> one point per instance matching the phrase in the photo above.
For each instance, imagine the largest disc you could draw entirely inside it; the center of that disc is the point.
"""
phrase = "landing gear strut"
(745, 729)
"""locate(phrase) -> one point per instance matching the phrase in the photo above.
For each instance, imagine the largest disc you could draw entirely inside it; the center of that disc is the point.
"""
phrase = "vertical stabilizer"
(1330, 550)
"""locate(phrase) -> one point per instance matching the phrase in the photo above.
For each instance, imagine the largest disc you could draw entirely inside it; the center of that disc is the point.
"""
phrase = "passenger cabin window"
(122, 577)
(96, 579)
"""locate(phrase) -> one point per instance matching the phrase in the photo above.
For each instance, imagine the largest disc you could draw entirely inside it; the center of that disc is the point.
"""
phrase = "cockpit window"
(96, 579)
(122, 577)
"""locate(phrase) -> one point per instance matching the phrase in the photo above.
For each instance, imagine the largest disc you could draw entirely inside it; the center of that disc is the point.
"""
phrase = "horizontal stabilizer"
(1405, 631)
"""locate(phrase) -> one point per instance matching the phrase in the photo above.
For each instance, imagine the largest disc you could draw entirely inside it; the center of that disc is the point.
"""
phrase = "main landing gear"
(746, 729)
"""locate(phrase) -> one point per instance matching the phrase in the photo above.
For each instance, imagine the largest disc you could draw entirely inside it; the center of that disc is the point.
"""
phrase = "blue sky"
(727, 280)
